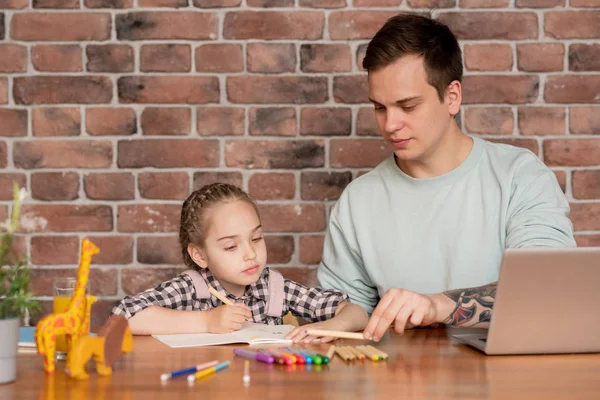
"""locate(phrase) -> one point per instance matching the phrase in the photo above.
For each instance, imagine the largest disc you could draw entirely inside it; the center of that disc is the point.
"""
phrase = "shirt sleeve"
(341, 265)
(177, 294)
(312, 304)
(538, 212)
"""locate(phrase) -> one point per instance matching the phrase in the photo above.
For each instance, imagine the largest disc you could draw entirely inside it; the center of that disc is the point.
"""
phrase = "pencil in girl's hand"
(219, 296)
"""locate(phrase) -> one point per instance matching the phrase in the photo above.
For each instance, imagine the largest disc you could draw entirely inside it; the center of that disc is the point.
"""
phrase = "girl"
(222, 241)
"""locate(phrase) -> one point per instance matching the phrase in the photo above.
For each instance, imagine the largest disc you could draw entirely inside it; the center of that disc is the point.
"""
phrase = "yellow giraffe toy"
(71, 321)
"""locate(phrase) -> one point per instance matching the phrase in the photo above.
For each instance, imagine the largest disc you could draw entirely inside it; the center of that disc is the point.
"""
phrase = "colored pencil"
(209, 371)
(199, 367)
(337, 334)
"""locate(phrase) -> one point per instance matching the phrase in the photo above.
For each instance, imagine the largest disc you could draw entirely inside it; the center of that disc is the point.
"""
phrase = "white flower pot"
(9, 339)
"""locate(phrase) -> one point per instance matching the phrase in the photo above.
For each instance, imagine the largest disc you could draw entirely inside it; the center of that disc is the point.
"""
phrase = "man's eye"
(409, 109)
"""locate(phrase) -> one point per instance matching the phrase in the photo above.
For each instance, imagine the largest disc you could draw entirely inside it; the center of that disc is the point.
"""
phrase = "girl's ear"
(197, 255)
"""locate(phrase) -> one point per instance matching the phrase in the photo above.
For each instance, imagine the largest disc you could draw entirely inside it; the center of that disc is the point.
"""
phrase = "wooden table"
(424, 364)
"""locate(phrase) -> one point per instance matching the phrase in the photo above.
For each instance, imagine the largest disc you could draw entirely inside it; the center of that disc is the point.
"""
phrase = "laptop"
(547, 302)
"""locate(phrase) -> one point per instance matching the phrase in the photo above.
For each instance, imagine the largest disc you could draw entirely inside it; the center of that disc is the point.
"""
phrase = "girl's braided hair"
(193, 224)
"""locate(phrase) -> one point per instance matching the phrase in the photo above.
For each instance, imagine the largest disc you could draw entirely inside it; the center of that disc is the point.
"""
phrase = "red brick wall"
(111, 111)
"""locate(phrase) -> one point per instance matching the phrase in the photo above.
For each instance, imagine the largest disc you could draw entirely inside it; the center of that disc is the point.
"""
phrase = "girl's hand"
(298, 335)
(224, 319)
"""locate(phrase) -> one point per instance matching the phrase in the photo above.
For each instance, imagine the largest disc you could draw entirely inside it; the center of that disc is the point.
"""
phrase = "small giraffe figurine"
(71, 321)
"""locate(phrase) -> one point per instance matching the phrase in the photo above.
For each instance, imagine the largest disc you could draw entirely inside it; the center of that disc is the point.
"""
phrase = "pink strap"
(276, 294)
(199, 284)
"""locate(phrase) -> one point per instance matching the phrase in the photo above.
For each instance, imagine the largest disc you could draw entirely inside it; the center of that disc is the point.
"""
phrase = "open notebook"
(251, 333)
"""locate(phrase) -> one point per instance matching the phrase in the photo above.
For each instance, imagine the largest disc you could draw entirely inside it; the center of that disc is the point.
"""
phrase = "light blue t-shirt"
(431, 235)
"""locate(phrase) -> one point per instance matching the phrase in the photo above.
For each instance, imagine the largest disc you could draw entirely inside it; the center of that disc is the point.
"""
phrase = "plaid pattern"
(312, 304)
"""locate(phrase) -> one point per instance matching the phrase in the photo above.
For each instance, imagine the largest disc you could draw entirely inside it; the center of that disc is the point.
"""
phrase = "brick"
(529, 144)
(277, 90)
(17, 250)
(55, 186)
(2, 28)
(584, 120)
(54, 250)
(366, 123)
(14, 4)
(487, 25)
(13, 122)
(489, 120)
(271, 58)
(109, 186)
(118, 4)
(585, 216)
(488, 57)
(166, 58)
(3, 154)
(219, 57)
(164, 185)
(292, 217)
(584, 3)
(273, 25)
(273, 121)
(270, 3)
(352, 153)
(59, 4)
(136, 280)
(584, 57)
(3, 213)
(207, 177)
(328, 3)
(587, 240)
(572, 24)
(14, 58)
(561, 177)
(166, 121)
(164, 25)
(539, 3)
(279, 249)
(110, 121)
(109, 58)
(66, 218)
(431, 3)
(351, 89)
(326, 121)
(217, 3)
(376, 3)
(159, 250)
(572, 89)
(101, 282)
(6, 184)
(540, 57)
(3, 90)
(62, 89)
(272, 186)
(62, 154)
(57, 58)
(311, 249)
(116, 250)
(221, 121)
(285, 154)
(168, 89)
(56, 121)
(361, 51)
(148, 218)
(61, 26)
(303, 275)
(182, 153)
(586, 184)
(323, 186)
(484, 3)
(500, 89)
(572, 152)
(325, 58)
(162, 3)
(542, 121)
(353, 25)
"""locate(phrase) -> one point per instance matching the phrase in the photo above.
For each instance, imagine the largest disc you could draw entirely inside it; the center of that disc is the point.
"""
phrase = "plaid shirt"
(179, 293)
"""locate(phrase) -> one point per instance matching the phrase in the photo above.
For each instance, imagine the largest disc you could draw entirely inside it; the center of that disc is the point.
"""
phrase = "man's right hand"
(224, 319)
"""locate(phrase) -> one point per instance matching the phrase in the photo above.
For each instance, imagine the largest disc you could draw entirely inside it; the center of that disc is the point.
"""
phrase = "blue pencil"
(191, 370)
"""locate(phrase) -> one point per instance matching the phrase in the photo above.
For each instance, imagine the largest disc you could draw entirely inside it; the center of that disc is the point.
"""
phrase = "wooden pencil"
(379, 352)
(337, 334)
(342, 354)
(369, 353)
(220, 296)
(357, 353)
(330, 352)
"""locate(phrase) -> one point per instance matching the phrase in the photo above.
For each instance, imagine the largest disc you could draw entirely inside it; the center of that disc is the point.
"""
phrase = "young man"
(419, 239)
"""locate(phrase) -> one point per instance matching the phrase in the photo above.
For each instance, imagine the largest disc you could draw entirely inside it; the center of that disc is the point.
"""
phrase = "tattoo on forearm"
(473, 305)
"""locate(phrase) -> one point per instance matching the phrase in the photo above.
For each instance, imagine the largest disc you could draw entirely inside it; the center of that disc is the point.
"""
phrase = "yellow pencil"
(368, 353)
(220, 296)
(337, 334)
(379, 352)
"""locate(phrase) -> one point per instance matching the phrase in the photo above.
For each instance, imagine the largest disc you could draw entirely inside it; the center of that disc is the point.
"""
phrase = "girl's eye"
(257, 239)
(230, 248)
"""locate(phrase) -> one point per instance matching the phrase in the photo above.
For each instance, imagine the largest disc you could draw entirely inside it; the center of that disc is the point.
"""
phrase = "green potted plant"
(16, 299)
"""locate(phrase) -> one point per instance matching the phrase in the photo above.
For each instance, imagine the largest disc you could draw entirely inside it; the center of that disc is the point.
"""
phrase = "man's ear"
(454, 97)
(197, 255)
